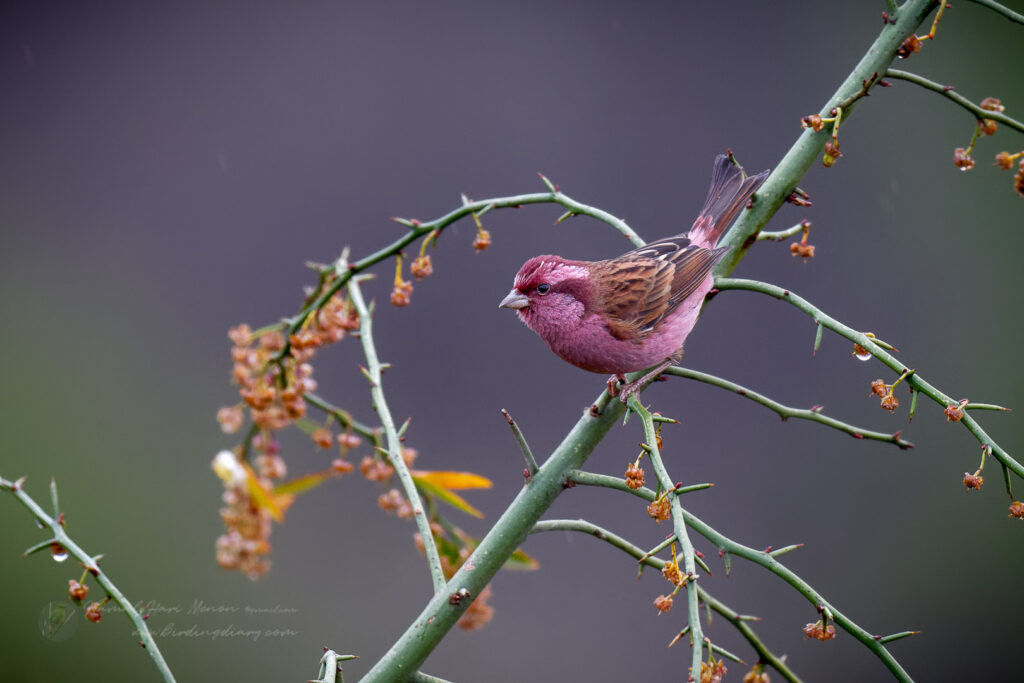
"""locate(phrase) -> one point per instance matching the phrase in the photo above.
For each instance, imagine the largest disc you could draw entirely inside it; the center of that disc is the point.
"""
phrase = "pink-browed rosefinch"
(632, 312)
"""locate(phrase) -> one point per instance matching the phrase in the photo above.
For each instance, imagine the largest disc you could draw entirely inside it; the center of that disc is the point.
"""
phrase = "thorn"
(947, 88)
(857, 435)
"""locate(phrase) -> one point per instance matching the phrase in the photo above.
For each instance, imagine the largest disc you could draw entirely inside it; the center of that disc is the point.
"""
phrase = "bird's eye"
(543, 289)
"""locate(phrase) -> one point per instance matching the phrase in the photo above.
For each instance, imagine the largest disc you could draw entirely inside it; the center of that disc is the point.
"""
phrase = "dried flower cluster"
(757, 675)
(660, 509)
(885, 391)
(819, 631)
(802, 248)
(634, 476)
(712, 671)
(973, 481)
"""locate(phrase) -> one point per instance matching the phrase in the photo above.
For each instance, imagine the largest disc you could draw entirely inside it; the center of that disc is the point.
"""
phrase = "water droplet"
(863, 356)
(860, 353)
(59, 553)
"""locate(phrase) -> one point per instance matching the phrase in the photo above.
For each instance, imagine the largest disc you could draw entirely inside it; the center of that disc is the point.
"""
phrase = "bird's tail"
(728, 193)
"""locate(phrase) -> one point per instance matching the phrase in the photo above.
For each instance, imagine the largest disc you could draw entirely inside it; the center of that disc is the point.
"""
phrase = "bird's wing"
(641, 287)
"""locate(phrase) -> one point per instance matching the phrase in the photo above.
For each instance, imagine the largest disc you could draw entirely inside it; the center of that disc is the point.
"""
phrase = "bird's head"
(550, 292)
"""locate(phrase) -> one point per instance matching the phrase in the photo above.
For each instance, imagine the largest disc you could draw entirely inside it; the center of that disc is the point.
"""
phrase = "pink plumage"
(632, 312)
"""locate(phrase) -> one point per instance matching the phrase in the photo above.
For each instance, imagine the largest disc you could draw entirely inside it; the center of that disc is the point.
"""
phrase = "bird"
(633, 312)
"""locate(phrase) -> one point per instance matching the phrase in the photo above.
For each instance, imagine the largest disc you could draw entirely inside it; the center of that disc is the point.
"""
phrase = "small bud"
(634, 476)
(798, 199)
(341, 466)
(1016, 509)
(805, 251)
(992, 104)
(831, 153)
(819, 631)
(240, 335)
(230, 419)
(1018, 180)
(421, 267)
(973, 481)
(348, 440)
(672, 574)
(77, 591)
(663, 603)
(813, 122)
(323, 437)
(660, 509)
(909, 47)
(890, 402)
(988, 126)
(402, 293)
(92, 612)
(1004, 161)
(879, 388)
(482, 240)
(757, 675)
(955, 412)
(962, 160)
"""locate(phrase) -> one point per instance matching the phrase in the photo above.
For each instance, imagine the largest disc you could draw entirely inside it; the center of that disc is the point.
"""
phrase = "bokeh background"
(167, 169)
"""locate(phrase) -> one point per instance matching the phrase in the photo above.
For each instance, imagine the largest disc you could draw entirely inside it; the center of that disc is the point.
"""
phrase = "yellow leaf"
(264, 499)
(303, 483)
(453, 499)
(453, 480)
(520, 560)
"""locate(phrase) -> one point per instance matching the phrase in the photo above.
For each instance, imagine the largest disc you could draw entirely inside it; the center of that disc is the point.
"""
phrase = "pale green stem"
(914, 380)
(785, 412)
(1005, 11)
(762, 558)
(394, 444)
(736, 619)
(90, 563)
(950, 94)
(678, 526)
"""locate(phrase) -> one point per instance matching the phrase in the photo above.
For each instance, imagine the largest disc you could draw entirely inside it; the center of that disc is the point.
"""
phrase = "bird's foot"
(613, 382)
(627, 390)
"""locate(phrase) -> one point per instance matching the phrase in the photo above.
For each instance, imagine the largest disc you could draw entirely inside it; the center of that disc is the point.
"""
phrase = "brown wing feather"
(643, 286)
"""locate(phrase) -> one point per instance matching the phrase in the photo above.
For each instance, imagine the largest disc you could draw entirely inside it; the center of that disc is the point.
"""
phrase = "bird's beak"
(515, 299)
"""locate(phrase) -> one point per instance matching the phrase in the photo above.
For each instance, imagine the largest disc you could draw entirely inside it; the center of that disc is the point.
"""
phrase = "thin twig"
(531, 462)
(948, 92)
(870, 344)
(780, 235)
(394, 445)
(1005, 11)
(61, 537)
(419, 229)
(343, 417)
(786, 412)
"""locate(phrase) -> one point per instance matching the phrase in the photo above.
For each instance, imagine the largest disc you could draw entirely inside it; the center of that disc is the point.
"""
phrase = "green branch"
(678, 527)
(913, 379)
(394, 448)
(343, 417)
(419, 229)
(811, 414)
(507, 534)
(737, 620)
(56, 526)
(1005, 11)
(809, 146)
(763, 558)
(949, 93)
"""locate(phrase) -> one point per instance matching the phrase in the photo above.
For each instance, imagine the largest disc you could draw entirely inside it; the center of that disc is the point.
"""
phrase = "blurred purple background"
(167, 170)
